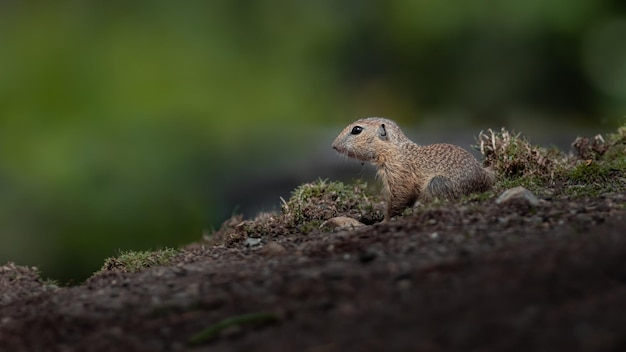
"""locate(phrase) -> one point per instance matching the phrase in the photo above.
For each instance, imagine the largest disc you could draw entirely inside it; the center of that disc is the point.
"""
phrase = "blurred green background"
(130, 125)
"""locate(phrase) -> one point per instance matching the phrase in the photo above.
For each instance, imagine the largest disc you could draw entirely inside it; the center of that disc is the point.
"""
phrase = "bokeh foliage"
(120, 122)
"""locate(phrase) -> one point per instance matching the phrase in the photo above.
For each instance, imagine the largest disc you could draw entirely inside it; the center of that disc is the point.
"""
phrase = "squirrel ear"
(382, 132)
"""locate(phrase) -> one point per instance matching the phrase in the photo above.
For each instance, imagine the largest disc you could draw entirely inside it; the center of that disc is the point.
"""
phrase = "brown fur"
(410, 172)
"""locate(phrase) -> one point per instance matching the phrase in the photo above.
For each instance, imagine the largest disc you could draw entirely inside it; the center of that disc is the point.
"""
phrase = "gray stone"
(252, 242)
(518, 194)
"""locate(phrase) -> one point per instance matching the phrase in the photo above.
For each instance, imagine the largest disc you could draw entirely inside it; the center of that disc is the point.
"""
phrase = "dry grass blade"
(512, 155)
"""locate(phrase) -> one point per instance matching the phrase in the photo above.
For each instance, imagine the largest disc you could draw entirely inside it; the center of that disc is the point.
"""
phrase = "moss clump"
(597, 165)
(589, 172)
(513, 156)
(320, 200)
(131, 261)
(609, 148)
(309, 205)
(600, 159)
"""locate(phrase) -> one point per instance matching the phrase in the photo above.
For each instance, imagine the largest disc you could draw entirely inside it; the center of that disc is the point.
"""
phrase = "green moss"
(136, 261)
(589, 172)
(596, 167)
(321, 200)
(594, 178)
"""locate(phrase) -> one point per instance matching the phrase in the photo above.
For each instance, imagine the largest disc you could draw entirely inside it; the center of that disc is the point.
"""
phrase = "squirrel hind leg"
(439, 187)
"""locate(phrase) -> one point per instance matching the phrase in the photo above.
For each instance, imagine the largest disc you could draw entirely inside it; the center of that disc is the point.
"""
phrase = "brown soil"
(473, 276)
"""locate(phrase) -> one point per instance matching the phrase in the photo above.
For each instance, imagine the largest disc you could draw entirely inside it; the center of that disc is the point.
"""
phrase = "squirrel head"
(370, 139)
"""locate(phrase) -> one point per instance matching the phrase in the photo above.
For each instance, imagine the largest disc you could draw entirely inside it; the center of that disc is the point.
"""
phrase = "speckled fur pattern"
(410, 172)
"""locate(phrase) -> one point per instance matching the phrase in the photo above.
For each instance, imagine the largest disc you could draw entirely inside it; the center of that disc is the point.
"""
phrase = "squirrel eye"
(356, 130)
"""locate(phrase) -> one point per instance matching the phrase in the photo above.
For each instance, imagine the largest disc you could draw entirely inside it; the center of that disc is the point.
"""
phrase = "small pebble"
(342, 222)
(518, 194)
(252, 242)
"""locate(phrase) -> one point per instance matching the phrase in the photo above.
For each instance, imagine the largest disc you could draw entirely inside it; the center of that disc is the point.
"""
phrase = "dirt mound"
(458, 276)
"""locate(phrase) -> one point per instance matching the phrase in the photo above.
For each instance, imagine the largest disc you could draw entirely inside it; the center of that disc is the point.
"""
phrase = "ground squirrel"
(410, 172)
